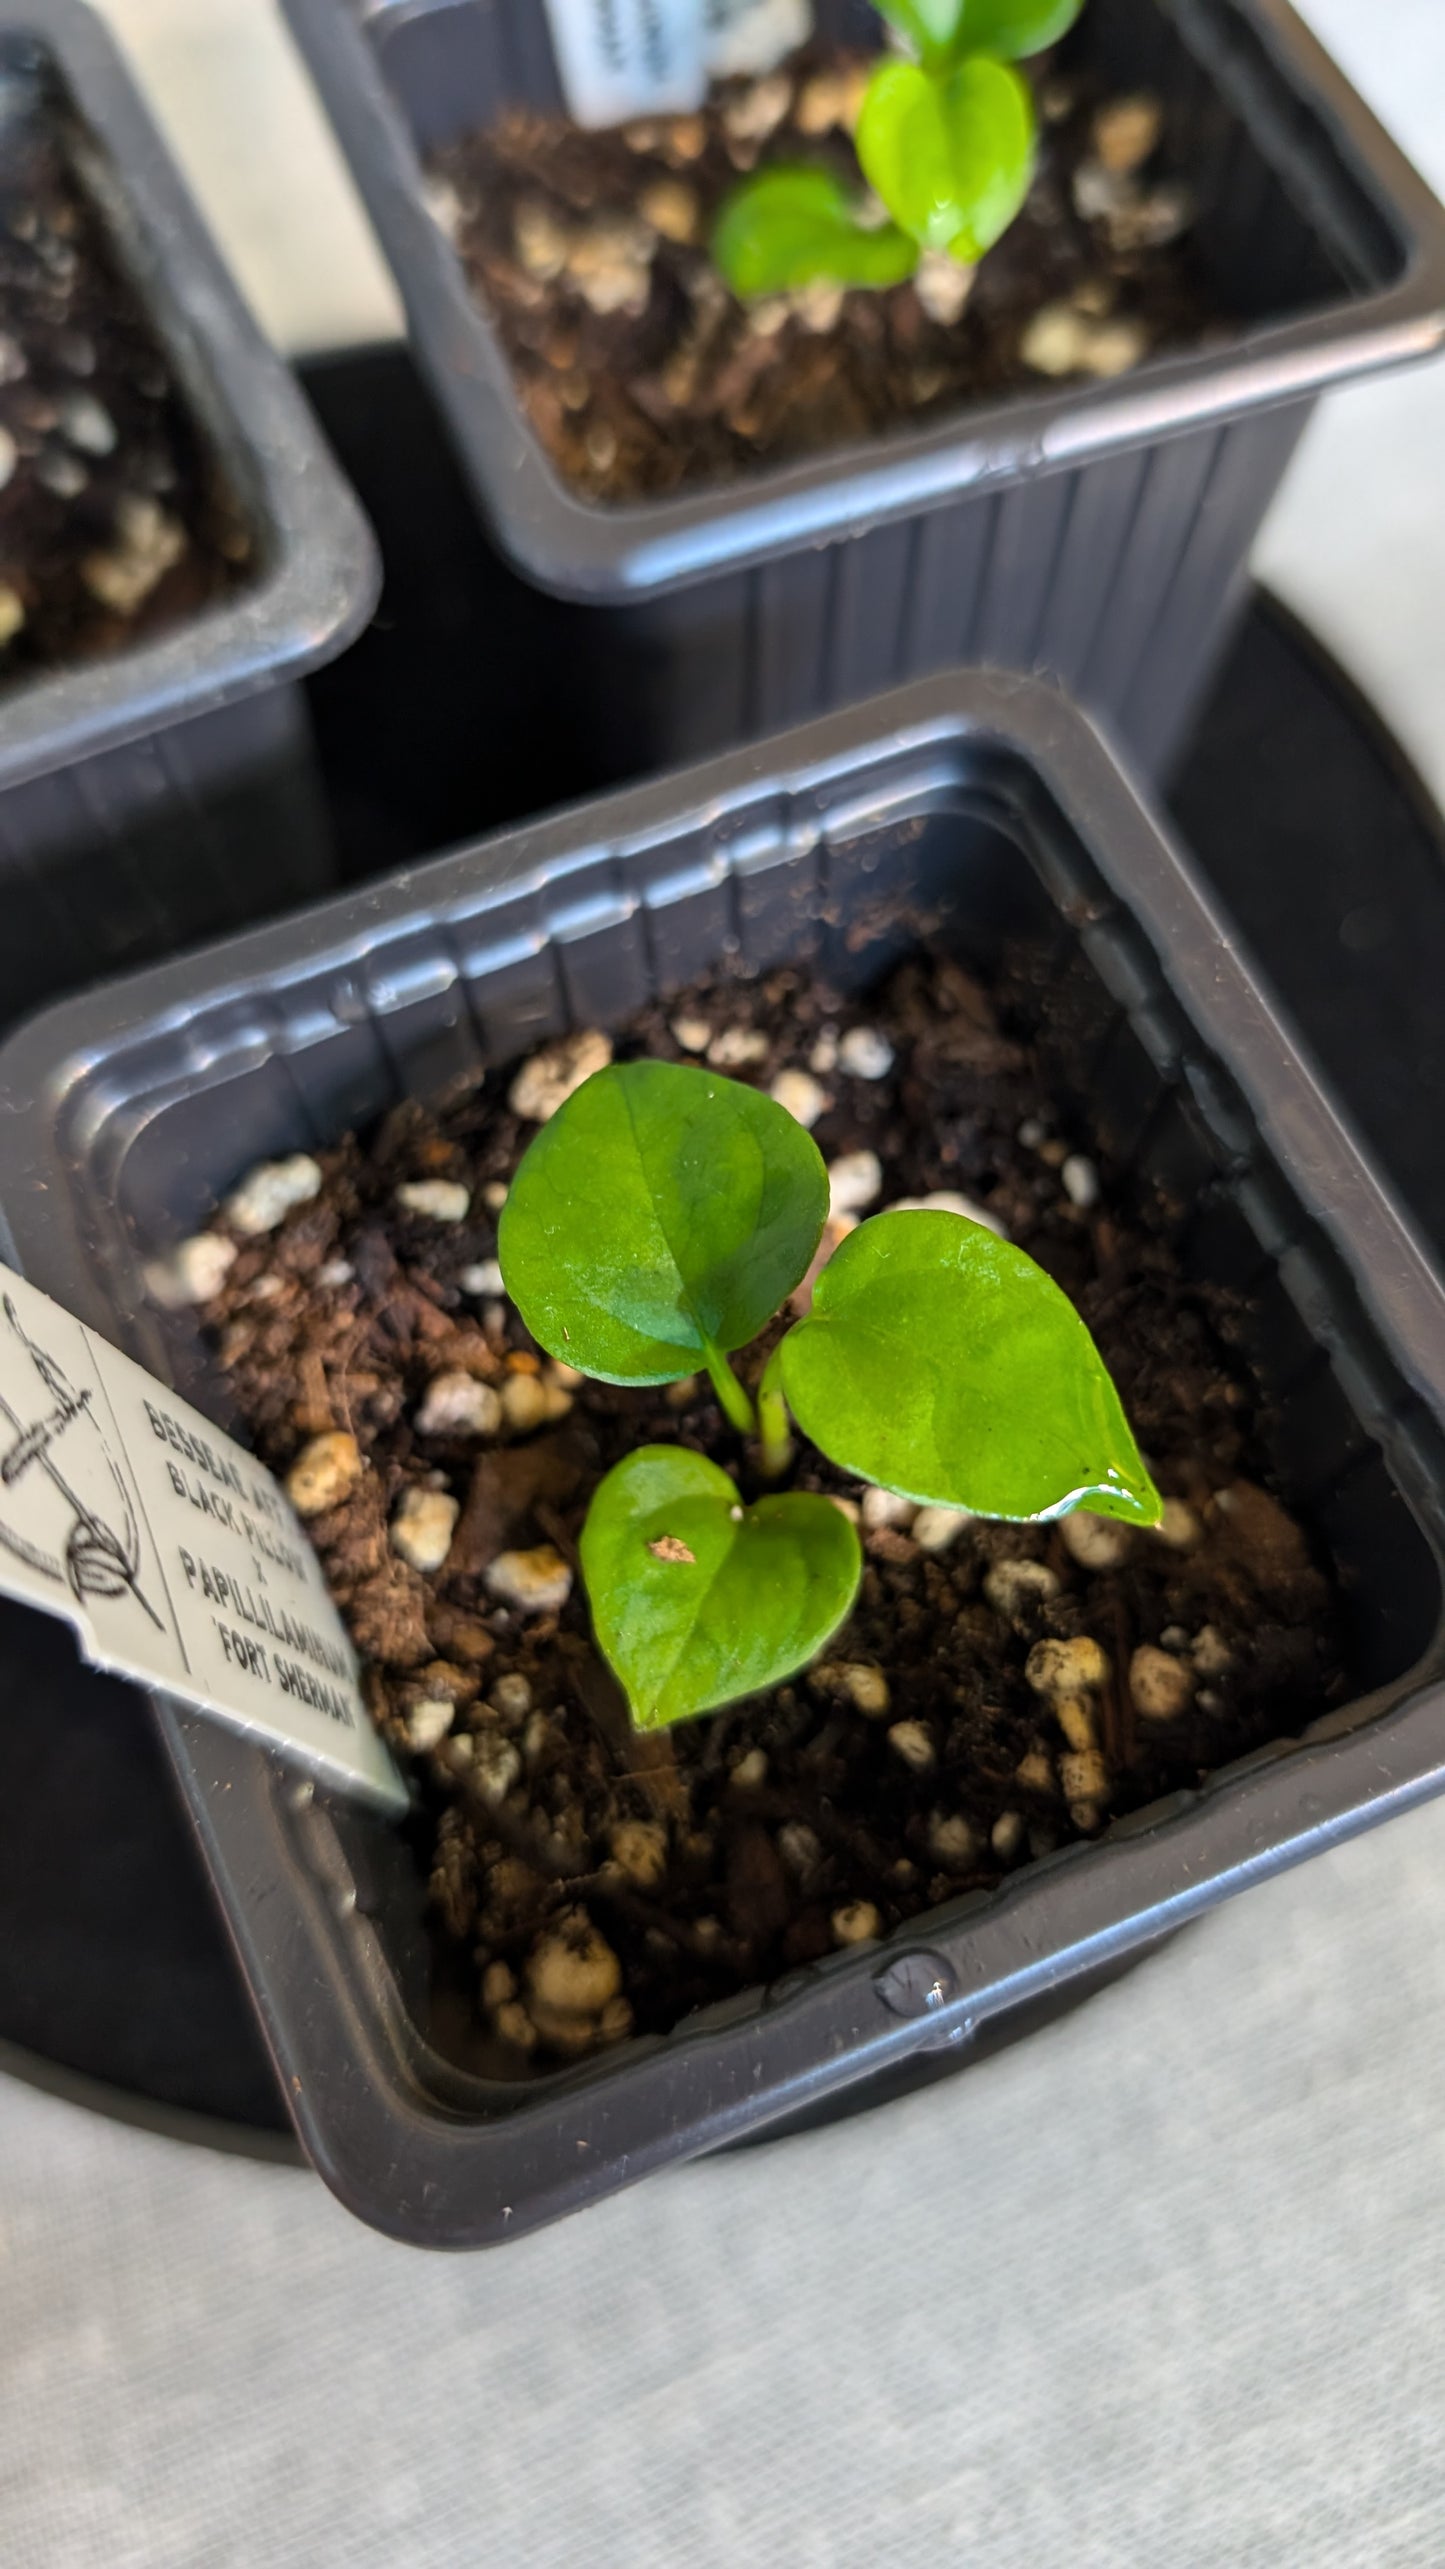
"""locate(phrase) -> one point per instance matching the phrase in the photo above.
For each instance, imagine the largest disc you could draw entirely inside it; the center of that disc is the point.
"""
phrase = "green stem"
(737, 1407)
(777, 1442)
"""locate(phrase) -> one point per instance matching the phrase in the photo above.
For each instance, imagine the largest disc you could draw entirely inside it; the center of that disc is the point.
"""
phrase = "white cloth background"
(1162, 2289)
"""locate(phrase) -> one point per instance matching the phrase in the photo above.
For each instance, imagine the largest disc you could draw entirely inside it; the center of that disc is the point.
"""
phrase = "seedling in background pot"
(946, 142)
(655, 1227)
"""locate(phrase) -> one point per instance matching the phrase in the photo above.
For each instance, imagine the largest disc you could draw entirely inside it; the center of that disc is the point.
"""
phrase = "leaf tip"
(1129, 1496)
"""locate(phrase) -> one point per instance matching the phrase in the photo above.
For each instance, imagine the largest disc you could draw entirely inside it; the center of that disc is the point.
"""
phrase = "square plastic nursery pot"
(167, 792)
(989, 807)
(1098, 533)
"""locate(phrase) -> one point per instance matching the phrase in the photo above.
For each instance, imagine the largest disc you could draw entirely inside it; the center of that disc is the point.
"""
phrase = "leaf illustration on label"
(97, 1564)
(98, 1559)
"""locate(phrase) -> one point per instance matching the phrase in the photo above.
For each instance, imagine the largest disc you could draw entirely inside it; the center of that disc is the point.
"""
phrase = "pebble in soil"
(115, 522)
(642, 373)
(998, 1690)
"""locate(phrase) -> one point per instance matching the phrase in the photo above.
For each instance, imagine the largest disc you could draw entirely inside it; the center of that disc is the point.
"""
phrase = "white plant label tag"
(623, 58)
(752, 36)
(620, 59)
(175, 1555)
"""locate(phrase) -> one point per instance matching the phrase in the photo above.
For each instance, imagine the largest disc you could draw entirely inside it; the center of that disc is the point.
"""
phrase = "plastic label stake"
(620, 59)
(175, 1555)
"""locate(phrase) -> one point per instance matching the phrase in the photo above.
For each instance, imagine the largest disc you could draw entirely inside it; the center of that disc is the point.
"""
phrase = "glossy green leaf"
(951, 154)
(787, 227)
(940, 1361)
(697, 1600)
(663, 1214)
(1013, 29)
(930, 26)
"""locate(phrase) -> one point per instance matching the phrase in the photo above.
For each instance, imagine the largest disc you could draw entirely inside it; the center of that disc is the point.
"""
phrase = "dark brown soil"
(766, 1826)
(114, 523)
(681, 384)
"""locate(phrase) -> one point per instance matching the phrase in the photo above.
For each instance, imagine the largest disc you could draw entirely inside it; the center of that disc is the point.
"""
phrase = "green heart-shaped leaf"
(1012, 29)
(664, 1213)
(950, 154)
(696, 1599)
(787, 227)
(940, 1361)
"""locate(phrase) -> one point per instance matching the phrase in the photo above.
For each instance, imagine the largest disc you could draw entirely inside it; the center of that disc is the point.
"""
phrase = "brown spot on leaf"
(670, 1547)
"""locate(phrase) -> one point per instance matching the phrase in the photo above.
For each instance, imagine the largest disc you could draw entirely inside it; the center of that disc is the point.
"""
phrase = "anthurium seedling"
(655, 1226)
(946, 141)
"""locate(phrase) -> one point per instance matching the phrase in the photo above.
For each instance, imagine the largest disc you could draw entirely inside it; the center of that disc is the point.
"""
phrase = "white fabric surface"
(1161, 2289)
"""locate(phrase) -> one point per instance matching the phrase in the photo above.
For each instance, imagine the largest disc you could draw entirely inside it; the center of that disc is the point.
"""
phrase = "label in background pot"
(173, 1552)
(750, 36)
(618, 59)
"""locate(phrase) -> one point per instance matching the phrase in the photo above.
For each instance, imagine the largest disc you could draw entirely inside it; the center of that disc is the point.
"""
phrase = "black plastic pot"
(1101, 534)
(167, 793)
(987, 804)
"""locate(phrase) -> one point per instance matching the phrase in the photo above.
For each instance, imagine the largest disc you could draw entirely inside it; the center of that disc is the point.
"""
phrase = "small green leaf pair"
(946, 142)
(656, 1225)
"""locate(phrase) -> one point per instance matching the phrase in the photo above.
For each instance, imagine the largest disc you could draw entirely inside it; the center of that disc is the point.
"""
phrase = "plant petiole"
(773, 1426)
(734, 1402)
